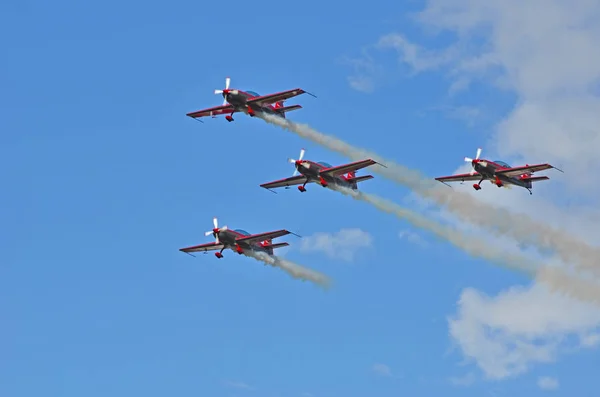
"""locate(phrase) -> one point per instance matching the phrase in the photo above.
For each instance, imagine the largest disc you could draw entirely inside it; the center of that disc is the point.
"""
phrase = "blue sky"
(106, 178)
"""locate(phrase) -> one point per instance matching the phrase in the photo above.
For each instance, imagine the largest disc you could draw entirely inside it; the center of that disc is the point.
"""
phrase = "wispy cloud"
(504, 335)
(412, 237)
(466, 380)
(366, 72)
(382, 369)
(238, 385)
(547, 383)
(344, 244)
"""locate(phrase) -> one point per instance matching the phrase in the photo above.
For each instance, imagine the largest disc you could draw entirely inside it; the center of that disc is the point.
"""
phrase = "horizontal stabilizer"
(274, 246)
(360, 178)
(288, 108)
(535, 178)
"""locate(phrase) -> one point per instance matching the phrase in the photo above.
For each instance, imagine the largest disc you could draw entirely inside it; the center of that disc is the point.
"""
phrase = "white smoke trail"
(296, 271)
(556, 278)
(498, 221)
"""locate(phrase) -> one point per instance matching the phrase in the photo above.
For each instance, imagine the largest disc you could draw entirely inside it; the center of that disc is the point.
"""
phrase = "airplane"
(250, 102)
(238, 241)
(307, 171)
(499, 173)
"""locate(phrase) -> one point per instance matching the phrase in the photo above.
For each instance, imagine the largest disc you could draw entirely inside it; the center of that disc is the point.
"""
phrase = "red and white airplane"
(499, 173)
(239, 241)
(322, 173)
(250, 102)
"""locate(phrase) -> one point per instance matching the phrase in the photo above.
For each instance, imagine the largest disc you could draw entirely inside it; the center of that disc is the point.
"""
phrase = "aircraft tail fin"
(269, 246)
(354, 180)
(528, 179)
(281, 110)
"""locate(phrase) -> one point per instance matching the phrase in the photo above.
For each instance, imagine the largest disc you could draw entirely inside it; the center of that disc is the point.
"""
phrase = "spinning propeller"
(473, 161)
(226, 91)
(216, 230)
(299, 161)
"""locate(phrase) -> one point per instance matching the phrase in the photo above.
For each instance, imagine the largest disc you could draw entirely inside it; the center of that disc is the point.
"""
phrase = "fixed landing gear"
(229, 117)
(303, 188)
(477, 186)
(220, 253)
(323, 182)
(239, 250)
(529, 191)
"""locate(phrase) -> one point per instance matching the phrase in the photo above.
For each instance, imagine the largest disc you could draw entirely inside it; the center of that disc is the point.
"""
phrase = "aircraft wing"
(214, 111)
(345, 168)
(515, 171)
(272, 98)
(262, 236)
(459, 178)
(203, 248)
(291, 181)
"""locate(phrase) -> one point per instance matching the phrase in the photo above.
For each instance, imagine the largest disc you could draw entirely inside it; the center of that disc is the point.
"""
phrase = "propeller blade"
(295, 172)
(478, 153)
(472, 172)
(301, 154)
(215, 222)
(468, 159)
(217, 92)
(227, 81)
(217, 239)
(291, 161)
(208, 233)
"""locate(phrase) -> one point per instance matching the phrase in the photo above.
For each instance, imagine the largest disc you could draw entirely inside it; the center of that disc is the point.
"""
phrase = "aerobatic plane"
(239, 241)
(249, 102)
(499, 173)
(324, 174)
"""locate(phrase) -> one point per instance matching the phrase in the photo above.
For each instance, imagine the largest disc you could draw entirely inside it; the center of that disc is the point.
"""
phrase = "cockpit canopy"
(324, 164)
(502, 163)
(243, 232)
(253, 93)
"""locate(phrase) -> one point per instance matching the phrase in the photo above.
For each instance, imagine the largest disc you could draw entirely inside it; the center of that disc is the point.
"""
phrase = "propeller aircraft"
(239, 241)
(499, 173)
(324, 174)
(250, 102)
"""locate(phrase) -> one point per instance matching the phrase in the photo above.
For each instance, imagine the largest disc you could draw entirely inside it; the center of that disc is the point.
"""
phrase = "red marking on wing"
(272, 98)
(344, 168)
(214, 111)
(535, 178)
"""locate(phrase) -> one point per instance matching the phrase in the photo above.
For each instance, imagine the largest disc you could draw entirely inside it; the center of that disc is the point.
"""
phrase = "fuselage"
(228, 239)
(488, 169)
(239, 99)
(312, 170)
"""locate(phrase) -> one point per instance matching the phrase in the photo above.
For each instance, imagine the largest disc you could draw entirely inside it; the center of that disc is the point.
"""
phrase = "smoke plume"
(556, 278)
(296, 271)
(498, 221)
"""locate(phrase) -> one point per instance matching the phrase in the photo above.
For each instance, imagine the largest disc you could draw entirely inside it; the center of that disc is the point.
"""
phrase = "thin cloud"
(466, 380)
(238, 385)
(547, 383)
(382, 369)
(344, 244)
(412, 237)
